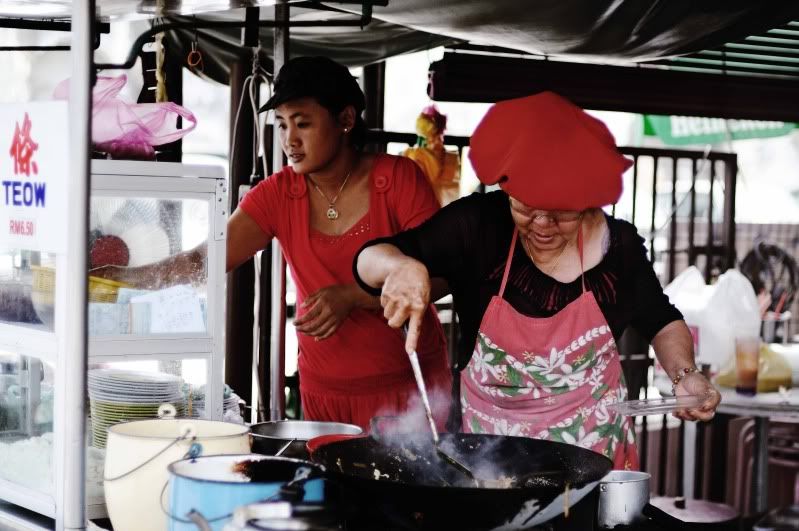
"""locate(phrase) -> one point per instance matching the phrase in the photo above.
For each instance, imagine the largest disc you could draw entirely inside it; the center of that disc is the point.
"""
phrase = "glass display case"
(150, 317)
(26, 427)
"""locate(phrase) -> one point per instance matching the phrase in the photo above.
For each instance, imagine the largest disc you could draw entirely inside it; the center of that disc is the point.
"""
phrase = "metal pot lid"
(695, 511)
(302, 430)
(282, 516)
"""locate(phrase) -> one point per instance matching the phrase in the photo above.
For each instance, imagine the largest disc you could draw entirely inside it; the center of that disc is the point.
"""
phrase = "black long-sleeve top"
(467, 243)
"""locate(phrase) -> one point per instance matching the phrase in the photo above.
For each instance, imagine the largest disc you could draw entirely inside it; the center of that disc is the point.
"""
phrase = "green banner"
(684, 130)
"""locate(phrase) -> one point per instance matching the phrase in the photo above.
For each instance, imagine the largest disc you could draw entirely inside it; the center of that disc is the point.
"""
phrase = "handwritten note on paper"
(173, 310)
(107, 319)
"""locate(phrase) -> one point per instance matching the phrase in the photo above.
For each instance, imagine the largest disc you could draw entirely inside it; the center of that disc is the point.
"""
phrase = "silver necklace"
(332, 212)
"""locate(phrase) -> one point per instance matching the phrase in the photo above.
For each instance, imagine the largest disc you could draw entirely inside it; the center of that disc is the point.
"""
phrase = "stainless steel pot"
(290, 436)
(623, 494)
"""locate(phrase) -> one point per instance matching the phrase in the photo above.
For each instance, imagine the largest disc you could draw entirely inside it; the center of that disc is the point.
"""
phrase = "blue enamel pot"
(210, 488)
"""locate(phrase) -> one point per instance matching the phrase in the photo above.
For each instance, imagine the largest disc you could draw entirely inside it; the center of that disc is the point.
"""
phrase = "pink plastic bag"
(130, 130)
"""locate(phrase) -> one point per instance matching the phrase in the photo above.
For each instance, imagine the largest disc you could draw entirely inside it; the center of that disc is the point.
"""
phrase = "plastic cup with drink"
(747, 357)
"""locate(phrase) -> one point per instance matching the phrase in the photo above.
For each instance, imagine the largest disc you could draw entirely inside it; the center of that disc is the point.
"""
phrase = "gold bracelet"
(680, 375)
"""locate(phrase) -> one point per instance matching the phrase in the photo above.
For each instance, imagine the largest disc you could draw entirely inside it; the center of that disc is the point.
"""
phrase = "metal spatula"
(417, 373)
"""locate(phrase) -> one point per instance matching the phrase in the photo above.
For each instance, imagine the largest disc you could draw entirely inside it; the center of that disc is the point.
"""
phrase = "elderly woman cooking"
(545, 283)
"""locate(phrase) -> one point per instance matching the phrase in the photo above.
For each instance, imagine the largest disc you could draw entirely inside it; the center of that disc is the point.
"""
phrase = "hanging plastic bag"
(127, 130)
(717, 314)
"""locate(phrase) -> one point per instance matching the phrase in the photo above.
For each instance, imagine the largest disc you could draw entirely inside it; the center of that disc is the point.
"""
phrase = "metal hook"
(195, 57)
(256, 59)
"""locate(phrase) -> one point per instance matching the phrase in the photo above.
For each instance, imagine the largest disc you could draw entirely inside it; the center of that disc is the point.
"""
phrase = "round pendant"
(332, 213)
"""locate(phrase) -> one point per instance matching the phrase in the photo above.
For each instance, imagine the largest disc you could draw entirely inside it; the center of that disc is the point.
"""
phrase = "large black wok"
(405, 483)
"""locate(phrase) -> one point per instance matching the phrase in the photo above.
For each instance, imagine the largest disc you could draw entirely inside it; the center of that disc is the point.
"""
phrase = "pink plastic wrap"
(130, 130)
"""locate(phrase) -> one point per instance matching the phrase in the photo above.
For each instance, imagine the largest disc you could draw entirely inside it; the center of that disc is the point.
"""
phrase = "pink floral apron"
(548, 378)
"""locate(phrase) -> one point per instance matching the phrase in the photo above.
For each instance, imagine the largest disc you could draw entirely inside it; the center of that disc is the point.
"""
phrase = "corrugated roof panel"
(774, 53)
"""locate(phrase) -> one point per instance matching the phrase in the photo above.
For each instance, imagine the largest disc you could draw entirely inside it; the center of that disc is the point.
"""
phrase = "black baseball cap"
(321, 78)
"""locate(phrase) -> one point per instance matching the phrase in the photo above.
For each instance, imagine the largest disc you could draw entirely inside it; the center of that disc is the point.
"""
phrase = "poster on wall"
(34, 170)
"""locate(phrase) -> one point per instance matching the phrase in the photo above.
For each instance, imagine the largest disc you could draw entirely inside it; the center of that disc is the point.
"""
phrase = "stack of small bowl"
(195, 401)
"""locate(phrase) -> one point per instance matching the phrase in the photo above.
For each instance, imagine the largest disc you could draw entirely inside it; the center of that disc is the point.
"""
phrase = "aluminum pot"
(289, 437)
(623, 495)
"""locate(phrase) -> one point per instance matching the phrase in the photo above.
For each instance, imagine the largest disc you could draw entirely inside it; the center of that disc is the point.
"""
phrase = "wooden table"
(764, 407)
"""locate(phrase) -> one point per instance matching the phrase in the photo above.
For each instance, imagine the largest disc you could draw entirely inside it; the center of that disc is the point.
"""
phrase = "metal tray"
(653, 406)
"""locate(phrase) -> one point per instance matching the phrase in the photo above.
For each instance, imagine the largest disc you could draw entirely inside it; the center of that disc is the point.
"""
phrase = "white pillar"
(277, 342)
(71, 512)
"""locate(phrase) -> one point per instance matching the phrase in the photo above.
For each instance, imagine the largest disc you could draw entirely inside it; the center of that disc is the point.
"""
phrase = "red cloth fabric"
(550, 378)
(548, 153)
(361, 370)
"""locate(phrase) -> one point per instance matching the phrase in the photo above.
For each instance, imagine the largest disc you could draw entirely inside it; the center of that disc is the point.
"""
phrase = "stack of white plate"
(118, 395)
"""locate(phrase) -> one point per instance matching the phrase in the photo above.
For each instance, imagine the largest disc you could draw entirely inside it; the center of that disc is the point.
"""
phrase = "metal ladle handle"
(417, 373)
(285, 447)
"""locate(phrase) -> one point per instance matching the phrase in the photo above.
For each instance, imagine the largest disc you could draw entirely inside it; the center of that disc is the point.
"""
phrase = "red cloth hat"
(548, 153)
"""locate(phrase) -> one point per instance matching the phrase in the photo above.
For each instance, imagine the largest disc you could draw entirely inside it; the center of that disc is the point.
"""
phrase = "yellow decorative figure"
(441, 167)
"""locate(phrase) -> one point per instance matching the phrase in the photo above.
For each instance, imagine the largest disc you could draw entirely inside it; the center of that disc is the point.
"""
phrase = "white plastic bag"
(717, 314)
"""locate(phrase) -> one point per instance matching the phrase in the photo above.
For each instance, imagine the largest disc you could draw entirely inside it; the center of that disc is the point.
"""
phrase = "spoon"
(285, 447)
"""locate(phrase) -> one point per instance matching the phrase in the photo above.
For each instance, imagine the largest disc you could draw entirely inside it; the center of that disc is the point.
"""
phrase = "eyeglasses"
(554, 216)
(559, 217)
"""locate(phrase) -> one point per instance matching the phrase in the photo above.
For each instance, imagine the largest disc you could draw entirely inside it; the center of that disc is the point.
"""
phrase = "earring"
(346, 129)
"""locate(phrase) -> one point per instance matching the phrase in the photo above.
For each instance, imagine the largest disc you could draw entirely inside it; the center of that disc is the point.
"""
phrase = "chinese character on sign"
(22, 149)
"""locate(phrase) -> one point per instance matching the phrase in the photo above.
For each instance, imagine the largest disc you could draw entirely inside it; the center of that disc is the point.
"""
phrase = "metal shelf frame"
(126, 179)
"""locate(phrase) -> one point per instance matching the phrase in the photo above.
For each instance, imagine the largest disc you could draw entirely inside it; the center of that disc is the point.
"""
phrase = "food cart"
(50, 362)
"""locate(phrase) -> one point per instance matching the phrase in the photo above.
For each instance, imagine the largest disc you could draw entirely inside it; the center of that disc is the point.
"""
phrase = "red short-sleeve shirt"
(365, 353)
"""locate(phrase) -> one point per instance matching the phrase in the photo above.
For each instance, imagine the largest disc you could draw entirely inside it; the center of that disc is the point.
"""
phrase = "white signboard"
(34, 171)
